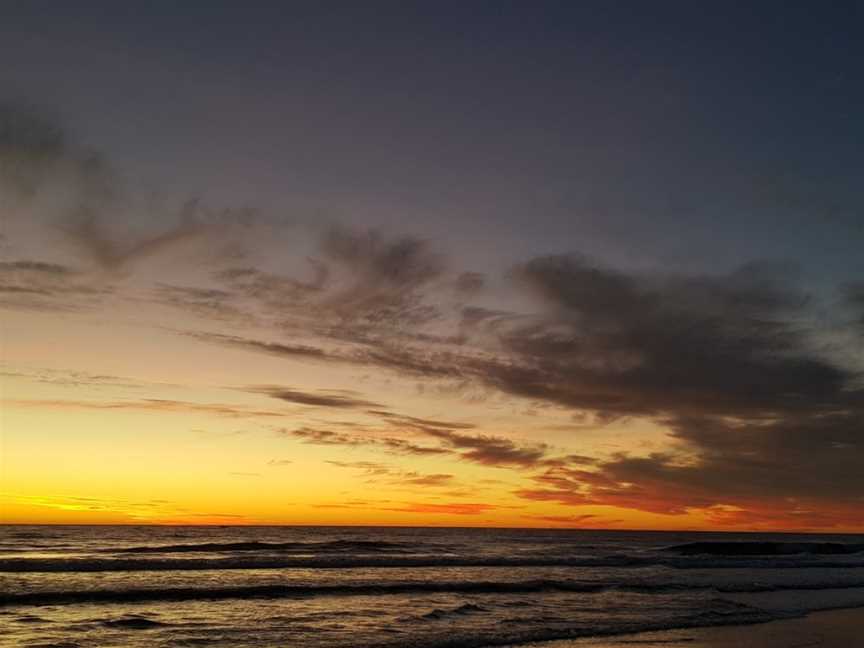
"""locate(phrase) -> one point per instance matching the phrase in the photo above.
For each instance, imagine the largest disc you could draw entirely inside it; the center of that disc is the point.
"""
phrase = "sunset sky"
(554, 264)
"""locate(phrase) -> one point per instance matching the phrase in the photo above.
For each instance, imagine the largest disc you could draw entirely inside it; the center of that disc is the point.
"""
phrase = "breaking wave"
(766, 548)
(392, 588)
(338, 560)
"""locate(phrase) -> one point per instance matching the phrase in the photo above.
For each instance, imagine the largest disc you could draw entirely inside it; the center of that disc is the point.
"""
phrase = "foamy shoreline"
(827, 629)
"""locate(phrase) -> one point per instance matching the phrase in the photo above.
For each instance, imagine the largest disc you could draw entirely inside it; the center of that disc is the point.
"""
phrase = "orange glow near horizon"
(79, 450)
(146, 410)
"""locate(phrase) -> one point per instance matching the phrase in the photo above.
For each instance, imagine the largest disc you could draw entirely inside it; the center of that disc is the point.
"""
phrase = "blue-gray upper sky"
(672, 134)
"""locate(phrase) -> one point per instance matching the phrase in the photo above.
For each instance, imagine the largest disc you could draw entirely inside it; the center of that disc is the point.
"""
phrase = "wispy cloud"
(321, 398)
(41, 286)
(271, 348)
(383, 473)
(393, 445)
(151, 405)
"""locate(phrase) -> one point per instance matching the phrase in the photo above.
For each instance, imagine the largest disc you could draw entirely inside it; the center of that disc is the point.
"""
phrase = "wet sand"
(833, 629)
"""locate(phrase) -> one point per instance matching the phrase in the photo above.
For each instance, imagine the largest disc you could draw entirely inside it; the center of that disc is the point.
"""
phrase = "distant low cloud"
(455, 508)
(153, 405)
(569, 520)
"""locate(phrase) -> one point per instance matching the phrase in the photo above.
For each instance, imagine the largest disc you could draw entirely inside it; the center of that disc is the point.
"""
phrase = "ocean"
(130, 586)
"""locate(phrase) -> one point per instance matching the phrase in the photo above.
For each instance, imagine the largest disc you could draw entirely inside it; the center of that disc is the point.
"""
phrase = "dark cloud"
(621, 345)
(380, 263)
(490, 450)
(744, 470)
(362, 287)
(625, 345)
(759, 421)
(736, 353)
(382, 281)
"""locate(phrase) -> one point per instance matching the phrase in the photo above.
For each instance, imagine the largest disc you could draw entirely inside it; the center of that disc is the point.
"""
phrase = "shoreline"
(836, 628)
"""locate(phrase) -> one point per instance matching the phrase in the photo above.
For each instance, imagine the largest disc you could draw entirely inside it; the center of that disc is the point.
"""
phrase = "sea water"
(128, 586)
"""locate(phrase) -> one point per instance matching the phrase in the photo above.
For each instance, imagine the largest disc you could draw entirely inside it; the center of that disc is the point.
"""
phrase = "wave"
(522, 630)
(352, 560)
(133, 622)
(287, 591)
(28, 535)
(319, 562)
(519, 637)
(766, 548)
(437, 614)
(335, 546)
(394, 588)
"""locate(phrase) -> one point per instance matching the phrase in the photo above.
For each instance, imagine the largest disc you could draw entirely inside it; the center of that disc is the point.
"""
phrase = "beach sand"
(833, 629)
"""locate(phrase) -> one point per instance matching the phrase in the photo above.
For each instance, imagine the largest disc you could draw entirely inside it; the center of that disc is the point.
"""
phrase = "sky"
(547, 264)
